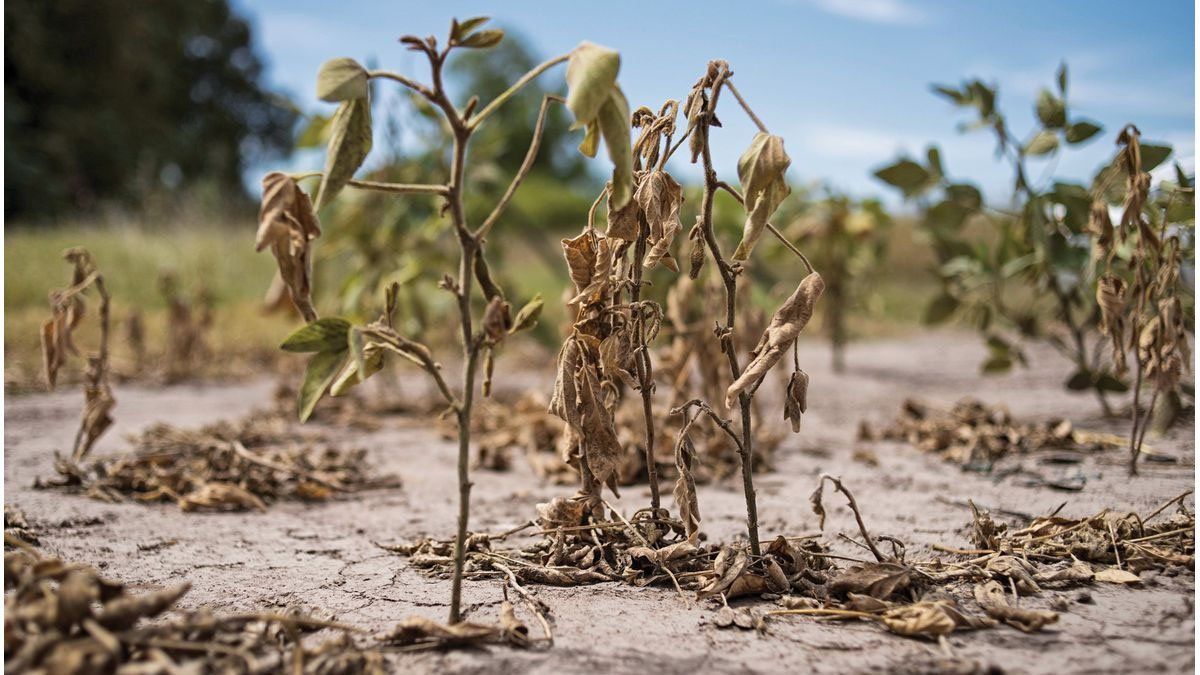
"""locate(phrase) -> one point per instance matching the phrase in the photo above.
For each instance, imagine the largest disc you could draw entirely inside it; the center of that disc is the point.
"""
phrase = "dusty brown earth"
(325, 556)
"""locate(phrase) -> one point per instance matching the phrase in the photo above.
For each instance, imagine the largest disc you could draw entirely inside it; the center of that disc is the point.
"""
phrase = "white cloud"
(874, 11)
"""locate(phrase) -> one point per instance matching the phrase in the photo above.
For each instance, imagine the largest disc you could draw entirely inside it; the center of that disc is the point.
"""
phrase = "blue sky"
(845, 82)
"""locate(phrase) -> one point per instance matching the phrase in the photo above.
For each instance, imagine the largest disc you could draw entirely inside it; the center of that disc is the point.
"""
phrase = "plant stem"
(729, 278)
(641, 359)
(526, 165)
(511, 91)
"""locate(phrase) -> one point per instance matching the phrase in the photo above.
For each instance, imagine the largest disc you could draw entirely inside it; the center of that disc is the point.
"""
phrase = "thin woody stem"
(642, 361)
(774, 230)
(525, 79)
(376, 186)
(729, 277)
(527, 165)
(745, 106)
(397, 77)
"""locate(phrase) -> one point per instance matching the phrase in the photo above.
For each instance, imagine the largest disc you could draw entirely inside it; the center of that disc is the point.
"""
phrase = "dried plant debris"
(1126, 542)
(17, 527)
(65, 619)
(240, 465)
(977, 436)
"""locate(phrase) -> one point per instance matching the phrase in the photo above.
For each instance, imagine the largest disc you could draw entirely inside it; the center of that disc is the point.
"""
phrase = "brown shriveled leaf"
(1017, 570)
(560, 576)
(515, 632)
(785, 326)
(993, 599)
(685, 486)
(1114, 575)
(497, 320)
(221, 496)
(589, 259)
(1066, 572)
(878, 580)
(930, 619)
(623, 222)
(123, 611)
(796, 399)
(419, 630)
(288, 224)
(727, 568)
(561, 512)
(660, 197)
(97, 405)
(761, 171)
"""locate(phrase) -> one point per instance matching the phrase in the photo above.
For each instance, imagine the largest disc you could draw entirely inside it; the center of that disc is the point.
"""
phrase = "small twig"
(745, 106)
(535, 145)
(1169, 502)
(862, 528)
(512, 90)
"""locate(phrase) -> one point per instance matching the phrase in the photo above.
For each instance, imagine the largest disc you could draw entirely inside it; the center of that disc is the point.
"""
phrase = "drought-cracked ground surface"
(325, 555)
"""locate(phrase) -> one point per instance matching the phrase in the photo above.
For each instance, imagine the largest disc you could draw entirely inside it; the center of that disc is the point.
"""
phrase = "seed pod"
(496, 320)
(697, 257)
(489, 364)
(785, 327)
(796, 401)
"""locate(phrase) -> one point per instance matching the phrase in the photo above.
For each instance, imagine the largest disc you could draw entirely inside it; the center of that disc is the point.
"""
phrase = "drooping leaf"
(761, 171)
(1051, 110)
(528, 315)
(911, 178)
(341, 80)
(349, 143)
(315, 133)
(1043, 143)
(322, 335)
(322, 368)
(659, 197)
(591, 77)
(1081, 131)
(288, 224)
(613, 119)
(785, 327)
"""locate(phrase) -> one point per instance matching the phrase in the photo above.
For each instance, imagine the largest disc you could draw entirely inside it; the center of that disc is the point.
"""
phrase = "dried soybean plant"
(68, 309)
(347, 354)
(188, 322)
(1139, 291)
(761, 172)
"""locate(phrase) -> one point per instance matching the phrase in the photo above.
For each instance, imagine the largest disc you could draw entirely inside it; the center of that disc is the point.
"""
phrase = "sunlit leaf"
(1081, 131)
(322, 368)
(591, 77)
(341, 80)
(349, 143)
(327, 334)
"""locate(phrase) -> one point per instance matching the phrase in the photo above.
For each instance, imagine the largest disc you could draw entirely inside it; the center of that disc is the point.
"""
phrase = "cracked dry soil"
(325, 557)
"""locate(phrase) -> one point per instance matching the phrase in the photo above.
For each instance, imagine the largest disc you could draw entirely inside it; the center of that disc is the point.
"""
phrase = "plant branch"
(774, 230)
(527, 165)
(745, 106)
(525, 79)
(397, 77)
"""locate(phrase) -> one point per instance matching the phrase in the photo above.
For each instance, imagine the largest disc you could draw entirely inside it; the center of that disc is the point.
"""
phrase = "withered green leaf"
(527, 316)
(761, 171)
(322, 368)
(349, 143)
(591, 77)
(341, 80)
(322, 335)
(613, 119)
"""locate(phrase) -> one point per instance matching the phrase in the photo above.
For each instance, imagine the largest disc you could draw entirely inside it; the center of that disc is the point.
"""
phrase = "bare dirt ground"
(325, 556)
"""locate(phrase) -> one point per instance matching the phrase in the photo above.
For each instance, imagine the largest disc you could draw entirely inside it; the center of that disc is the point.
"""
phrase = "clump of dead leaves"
(67, 619)
(976, 436)
(229, 465)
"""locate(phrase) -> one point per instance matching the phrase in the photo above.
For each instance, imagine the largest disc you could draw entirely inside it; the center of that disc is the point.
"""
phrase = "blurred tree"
(112, 100)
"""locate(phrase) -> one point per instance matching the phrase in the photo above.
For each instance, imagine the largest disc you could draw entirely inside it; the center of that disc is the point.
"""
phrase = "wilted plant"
(846, 239)
(1139, 292)
(187, 325)
(612, 323)
(347, 354)
(1038, 248)
(68, 309)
